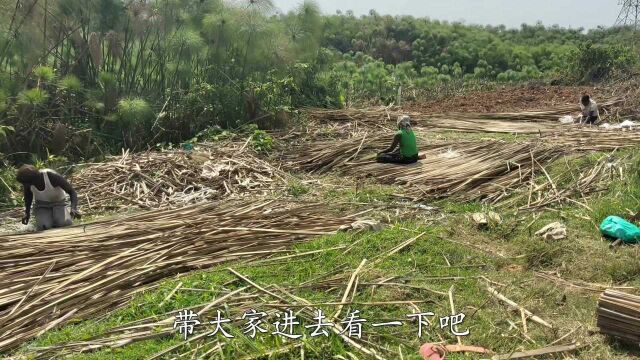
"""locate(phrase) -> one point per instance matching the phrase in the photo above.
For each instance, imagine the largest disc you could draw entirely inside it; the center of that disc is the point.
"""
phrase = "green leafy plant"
(44, 74)
(3, 100)
(261, 141)
(297, 189)
(597, 62)
(4, 131)
(34, 97)
(134, 110)
(70, 83)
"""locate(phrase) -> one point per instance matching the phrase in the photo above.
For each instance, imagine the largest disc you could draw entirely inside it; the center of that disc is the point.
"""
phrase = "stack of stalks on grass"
(48, 279)
(468, 170)
(366, 116)
(551, 114)
(594, 139)
(323, 156)
(526, 122)
(568, 187)
(270, 299)
(488, 125)
(171, 178)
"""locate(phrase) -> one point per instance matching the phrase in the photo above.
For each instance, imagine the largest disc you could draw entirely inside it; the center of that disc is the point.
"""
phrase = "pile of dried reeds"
(574, 185)
(467, 170)
(487, 125)
(365, 115)
(47, 279)
(619, 316)
(323, 156)
(594, 139)
(526, 122)
(155, 179)
(550, 115)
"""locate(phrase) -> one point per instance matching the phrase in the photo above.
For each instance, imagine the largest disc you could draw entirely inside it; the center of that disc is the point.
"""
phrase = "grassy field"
(559, 281)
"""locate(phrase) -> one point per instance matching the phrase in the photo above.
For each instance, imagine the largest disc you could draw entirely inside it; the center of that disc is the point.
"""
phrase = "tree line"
(81, 78)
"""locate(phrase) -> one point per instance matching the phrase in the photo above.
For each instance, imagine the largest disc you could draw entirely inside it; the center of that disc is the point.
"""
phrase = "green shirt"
(408, 145)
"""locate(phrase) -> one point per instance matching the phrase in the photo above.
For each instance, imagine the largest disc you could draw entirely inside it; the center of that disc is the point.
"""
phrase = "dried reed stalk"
(98, 267)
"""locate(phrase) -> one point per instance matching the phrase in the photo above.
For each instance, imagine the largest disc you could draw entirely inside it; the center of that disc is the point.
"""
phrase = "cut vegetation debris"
(593, 139)
(483, 170)
(528, 122)
(271, 298)
(153, 180)
(48, 279)
(579, 184)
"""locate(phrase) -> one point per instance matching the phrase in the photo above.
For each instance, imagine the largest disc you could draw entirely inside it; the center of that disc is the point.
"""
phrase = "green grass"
(428, 252)
(490, 323)
(362, 192)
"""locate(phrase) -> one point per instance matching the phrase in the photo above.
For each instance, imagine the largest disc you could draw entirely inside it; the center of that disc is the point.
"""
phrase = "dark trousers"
(591, 120)
(396, 158)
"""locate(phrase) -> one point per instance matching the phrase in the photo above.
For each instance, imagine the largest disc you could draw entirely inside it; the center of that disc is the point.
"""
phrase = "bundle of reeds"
(152, 180)
(47, 279)
(488, 125)
(594, 139)
(551, 114)
(364, 115)
(619, 316)
(323, 156)
(526, 122)
(465, 169)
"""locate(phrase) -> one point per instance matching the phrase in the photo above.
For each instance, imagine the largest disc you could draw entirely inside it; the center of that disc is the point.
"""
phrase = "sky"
(512, 13)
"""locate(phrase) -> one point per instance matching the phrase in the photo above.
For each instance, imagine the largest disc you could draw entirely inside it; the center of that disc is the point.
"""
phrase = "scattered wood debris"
(152, 180)
(512, 304)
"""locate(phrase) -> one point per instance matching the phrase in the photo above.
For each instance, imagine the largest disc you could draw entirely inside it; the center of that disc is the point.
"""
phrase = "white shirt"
(590, 110)
(52, 194)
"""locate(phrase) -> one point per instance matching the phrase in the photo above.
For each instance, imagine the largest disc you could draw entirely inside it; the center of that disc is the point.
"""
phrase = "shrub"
(261, 141)
(297, 189)
(3, 100)
(134, 111)
(34, 97)
(44, 73)
(597, 62)
(70, 83)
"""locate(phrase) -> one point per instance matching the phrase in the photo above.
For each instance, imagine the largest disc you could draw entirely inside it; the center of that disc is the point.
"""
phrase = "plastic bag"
(567, 119)
(628, 124)
(619, 228)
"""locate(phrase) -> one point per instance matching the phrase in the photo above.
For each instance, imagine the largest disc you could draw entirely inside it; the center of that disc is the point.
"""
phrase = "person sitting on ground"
(590, 112)
(49, 190)
(404, 149)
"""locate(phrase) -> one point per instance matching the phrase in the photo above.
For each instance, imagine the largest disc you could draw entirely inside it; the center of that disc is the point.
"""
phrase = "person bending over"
(49, 190)
(590, 112)
(404, 149)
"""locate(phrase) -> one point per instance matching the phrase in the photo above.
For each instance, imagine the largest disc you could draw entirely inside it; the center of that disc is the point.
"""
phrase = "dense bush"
(100, 75)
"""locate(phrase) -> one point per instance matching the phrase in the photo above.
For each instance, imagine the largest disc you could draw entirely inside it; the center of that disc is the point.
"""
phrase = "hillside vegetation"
(83, 78)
